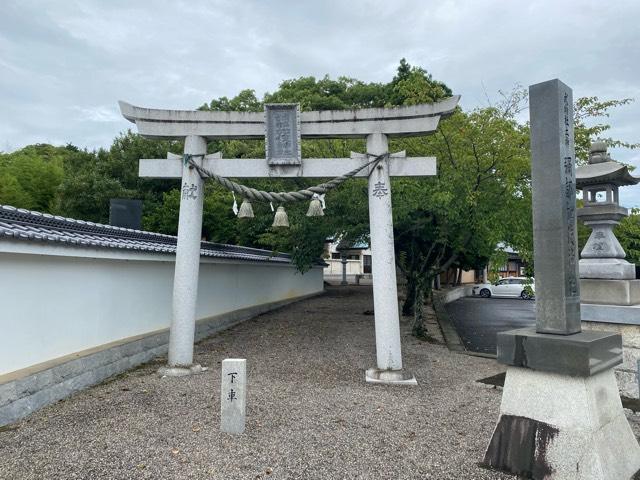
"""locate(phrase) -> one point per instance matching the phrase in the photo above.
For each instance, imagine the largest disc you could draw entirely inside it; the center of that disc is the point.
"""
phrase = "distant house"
(457, 276)
(514, 266)
(358, 259)
(357, 254)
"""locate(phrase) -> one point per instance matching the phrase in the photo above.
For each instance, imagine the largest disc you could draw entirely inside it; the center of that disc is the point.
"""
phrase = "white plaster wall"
(56, 305)
(354, 267)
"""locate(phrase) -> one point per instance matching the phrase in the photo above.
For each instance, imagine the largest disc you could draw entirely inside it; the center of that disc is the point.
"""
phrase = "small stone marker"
(233, 395)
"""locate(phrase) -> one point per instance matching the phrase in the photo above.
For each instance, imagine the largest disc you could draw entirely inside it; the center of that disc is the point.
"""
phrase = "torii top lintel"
(398, 121)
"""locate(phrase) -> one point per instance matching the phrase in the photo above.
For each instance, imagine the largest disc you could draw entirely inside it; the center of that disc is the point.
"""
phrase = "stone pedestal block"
(607, 268)
(611, 315)
(610, 292)
(563, 427)
(580, 354)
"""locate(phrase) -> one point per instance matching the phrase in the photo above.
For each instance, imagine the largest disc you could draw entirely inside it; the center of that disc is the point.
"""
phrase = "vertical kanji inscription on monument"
(233, 395)
(554, 208)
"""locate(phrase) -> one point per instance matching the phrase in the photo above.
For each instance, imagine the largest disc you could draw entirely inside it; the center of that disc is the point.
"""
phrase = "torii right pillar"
(383, 264)
(561, 416)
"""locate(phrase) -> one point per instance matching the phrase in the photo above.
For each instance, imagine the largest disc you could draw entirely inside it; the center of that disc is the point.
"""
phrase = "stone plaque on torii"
(283, 160)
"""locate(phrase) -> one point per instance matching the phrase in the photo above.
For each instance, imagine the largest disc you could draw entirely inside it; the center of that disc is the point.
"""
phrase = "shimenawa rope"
(253, 194)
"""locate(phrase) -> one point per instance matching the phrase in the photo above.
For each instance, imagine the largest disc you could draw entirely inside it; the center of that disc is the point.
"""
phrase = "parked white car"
(522, 287)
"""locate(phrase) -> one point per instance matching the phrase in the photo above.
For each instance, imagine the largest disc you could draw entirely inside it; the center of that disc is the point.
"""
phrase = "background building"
(358, 260)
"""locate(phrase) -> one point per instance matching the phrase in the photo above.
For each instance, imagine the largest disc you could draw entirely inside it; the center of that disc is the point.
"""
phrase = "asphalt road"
(478, 320)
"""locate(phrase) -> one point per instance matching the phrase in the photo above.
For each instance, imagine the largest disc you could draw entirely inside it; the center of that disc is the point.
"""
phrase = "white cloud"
(65, 63)
(99, 114)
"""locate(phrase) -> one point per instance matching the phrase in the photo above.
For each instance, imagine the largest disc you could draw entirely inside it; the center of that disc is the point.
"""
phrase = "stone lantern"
(603, 258)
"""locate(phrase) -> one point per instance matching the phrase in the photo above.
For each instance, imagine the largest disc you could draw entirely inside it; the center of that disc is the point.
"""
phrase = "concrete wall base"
(562, 427)
(25, 391)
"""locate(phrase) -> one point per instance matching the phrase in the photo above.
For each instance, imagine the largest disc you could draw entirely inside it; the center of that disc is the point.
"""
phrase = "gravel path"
(310, 413)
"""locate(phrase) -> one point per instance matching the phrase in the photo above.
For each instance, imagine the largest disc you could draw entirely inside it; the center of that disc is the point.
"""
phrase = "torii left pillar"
(185, 280)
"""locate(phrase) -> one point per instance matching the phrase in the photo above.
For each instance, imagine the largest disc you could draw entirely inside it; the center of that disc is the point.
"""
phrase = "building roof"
(604, 172)
(27, 225)
(349, 245)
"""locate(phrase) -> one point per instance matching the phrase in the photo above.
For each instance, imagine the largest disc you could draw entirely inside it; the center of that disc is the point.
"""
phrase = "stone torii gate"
(284, 126)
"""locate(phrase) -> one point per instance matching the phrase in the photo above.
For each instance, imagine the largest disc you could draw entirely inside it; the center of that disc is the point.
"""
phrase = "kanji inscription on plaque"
(282, 141)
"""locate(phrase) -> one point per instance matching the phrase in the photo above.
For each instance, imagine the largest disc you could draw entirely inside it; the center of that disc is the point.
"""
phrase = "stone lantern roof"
(602, 169)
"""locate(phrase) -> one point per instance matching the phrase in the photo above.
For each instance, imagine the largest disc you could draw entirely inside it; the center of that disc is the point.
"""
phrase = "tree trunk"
(409, 301)
(423, 290)
(419, 329)
(459, 279)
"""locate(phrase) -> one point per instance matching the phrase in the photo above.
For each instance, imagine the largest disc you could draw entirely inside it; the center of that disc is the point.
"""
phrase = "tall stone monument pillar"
(561, 415)
(555, 242)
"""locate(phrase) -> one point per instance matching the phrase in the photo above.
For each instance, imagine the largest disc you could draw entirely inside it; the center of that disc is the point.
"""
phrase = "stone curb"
(451, 337)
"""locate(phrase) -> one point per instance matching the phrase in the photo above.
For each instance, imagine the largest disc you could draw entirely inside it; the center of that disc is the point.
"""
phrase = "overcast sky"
(65, 64)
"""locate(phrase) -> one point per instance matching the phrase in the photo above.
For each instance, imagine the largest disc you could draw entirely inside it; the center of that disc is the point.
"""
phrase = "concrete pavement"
(478, 320)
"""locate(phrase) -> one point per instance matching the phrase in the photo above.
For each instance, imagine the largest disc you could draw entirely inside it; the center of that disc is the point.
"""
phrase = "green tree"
(414, 85)
(86, 189)
(12, 193)
(458, 218)
(31, 176)
(245, 101)
(586, 112)
(91, 179)
(628, 233)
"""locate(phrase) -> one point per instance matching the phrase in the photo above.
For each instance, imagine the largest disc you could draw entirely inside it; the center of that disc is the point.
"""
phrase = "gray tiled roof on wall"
(27, 225)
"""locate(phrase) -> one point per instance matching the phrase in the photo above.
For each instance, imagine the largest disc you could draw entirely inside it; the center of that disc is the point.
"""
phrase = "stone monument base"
(561, 416)
(581, 354)
(607, 268)
(559, 426)
(391, 377)
(610, 314)
(169, 371)
(609, 292)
